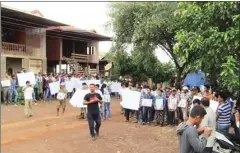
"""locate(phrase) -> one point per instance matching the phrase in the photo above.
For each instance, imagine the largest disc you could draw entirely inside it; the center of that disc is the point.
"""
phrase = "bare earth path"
(47, 133)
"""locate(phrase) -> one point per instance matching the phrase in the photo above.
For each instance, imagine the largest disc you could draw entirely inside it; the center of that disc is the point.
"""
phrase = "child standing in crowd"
(14, 90)
(183, 104)
(83, 110)
(159, 105)
(100, 106)
(138, 113)
(61, 96)
(28, 96)
(106, 100)
(7, 90)
(172, 106)
(147, 103)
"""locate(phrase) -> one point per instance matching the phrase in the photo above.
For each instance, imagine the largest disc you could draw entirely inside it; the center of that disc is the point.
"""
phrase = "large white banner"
(69, 86)
(130, 99)
(24, 77)
(54, 87)
(78, 98)
(6, 83)
(115, 87)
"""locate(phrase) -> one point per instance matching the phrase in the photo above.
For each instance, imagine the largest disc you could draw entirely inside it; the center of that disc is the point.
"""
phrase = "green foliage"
(147, 26)
(210, 30)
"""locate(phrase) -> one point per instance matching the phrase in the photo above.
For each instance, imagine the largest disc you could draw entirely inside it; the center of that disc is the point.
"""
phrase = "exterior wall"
(53, 48)
(21, 37)
(3, 65)
(35, 40)
(14, 63)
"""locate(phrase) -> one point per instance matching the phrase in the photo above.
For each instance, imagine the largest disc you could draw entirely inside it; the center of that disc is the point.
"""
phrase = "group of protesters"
(227, 114)
(172, 112)
(13, 93)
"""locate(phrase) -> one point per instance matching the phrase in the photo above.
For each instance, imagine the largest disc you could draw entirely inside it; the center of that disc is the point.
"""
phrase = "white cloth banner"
(61, 96)
(69, 86)
(130, 99)
(172, 104)
(24, 77)
(115, 87)
(182, 103)
(214, 105)
(77, 84)
(158, 104)
(147, 102)
(54, 87)
(78, 98)
(6, 83)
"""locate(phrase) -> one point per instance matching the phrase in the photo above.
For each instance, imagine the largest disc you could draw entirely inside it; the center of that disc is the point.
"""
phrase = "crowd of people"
(179, 106)
(13, 93)
(196, 113)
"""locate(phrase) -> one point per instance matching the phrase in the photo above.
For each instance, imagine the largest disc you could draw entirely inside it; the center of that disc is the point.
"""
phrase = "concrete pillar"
(88, 68)
(25, 64)
(97, 69)
(3, 65)
(44, 65)
(73, 46)
(60, 66)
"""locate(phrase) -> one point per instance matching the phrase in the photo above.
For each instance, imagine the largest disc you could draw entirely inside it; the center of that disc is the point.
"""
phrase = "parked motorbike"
(226, 143)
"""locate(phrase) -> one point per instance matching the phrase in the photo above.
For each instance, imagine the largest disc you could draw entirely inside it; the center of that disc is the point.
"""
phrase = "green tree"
(148, 24)
(210, 30)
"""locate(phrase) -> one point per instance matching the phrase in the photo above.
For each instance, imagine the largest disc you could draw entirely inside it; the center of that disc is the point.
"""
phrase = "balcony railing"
(85, 58)
(14, 48)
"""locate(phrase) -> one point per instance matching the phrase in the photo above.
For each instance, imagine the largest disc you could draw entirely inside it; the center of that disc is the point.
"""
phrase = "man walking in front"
(91, 100)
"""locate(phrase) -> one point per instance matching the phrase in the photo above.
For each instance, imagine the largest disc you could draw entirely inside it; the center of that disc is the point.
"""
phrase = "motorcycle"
(226, 143)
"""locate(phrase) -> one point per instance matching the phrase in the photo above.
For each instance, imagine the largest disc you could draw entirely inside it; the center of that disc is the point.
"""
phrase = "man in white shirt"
(208, 121)
(28, 96)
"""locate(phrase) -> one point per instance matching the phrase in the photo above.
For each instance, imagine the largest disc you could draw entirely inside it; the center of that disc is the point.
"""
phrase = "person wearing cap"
(172, 106)
(183, 104)
(61, 96)
(195, 91)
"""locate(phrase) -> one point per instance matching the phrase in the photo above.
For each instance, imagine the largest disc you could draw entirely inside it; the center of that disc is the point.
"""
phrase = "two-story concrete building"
(38, 44)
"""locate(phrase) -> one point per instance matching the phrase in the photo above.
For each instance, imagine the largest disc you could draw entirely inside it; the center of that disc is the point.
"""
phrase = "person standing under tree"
(61, 96)
(91, 100)
(28, 96)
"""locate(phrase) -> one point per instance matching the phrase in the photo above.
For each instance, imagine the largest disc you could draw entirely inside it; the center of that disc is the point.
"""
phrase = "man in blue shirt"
(223, 113)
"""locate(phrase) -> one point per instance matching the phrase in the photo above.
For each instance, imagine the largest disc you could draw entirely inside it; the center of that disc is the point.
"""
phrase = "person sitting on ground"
(189, 141)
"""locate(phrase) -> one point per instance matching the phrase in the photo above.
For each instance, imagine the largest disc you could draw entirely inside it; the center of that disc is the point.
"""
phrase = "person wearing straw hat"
(61, 96)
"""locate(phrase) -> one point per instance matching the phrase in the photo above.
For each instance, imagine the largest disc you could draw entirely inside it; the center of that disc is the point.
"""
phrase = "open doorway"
(13, 65)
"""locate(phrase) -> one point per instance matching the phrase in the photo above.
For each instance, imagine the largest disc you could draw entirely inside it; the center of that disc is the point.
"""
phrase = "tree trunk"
(178, 79)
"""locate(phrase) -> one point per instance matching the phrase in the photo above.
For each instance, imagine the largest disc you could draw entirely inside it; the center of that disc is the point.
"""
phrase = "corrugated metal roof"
(9, 12)
(73, 31)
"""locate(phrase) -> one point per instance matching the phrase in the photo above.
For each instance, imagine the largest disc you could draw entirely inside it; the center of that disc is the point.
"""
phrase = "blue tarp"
(195, 79)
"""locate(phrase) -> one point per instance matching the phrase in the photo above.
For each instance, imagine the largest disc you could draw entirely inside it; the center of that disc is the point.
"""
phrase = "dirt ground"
(47, 133)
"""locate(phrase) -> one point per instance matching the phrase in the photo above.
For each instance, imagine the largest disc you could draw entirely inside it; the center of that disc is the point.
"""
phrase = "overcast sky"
(85, 15)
